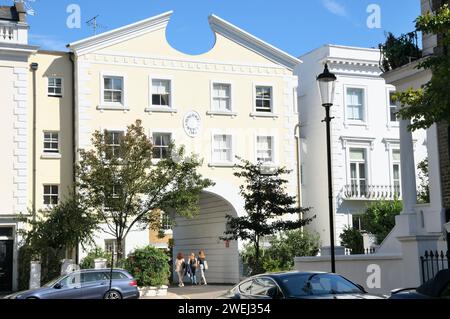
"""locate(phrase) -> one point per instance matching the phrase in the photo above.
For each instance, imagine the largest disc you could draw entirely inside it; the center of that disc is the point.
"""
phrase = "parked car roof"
(434, 287)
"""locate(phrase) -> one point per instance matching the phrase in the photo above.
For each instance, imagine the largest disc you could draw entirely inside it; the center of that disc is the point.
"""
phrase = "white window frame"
(392, 163)
(158, 108)
(274, 162)
(358, 177)
(113, 106)
(256, 113)
(390, 124)
(365, 121)
(215, 163)
(391, 145)
(46, 153)
(167, 231)
(368, 144)
(62, 86)
(213, 111)
(162, 131)
(296, 101)
(114, 246)
(156, 160)
(50, 194)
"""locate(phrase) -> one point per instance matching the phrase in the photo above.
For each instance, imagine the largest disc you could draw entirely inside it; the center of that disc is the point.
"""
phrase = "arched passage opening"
(203, 233)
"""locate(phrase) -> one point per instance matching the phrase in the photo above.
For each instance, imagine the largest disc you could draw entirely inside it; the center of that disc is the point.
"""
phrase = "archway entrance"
(203, 232)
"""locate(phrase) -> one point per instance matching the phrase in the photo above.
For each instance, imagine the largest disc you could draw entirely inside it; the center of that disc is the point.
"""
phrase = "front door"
(6, 265)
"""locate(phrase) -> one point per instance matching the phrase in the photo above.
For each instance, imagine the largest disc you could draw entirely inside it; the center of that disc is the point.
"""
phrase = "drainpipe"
(299, 172)
(74, 145)
(34, 68)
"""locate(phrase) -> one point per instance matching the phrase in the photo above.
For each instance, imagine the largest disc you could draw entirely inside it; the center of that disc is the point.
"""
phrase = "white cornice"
(230, 31)
(117, 35)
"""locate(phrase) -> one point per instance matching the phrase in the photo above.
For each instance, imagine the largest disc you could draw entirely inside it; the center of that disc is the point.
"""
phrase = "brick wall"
(444, 155)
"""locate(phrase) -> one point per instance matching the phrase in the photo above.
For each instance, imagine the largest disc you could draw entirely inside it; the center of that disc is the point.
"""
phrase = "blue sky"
(295, 26)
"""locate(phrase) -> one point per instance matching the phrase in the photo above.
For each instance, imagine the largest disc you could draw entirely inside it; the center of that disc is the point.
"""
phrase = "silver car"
(86, 284)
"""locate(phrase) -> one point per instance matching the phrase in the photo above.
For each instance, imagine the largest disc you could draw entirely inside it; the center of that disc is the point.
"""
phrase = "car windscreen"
(318, 284)
(53, 282)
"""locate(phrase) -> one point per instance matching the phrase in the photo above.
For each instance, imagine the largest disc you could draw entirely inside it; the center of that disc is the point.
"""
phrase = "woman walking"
(180, 266)
(203, 266)
(191, 269)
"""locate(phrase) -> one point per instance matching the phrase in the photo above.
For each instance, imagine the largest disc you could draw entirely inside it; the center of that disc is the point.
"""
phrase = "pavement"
(194, 292)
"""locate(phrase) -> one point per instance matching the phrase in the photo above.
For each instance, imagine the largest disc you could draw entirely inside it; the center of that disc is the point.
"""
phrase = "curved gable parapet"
(239, 43)
(232, 32)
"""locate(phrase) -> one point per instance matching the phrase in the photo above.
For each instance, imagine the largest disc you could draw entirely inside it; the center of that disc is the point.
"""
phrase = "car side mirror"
(57, 286)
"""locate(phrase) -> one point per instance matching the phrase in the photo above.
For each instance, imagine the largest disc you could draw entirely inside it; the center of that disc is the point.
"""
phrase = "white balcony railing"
(6, 33)
(371, 192)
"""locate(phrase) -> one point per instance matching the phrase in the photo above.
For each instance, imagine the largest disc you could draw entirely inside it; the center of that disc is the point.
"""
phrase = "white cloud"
(335, 8)
(47, 42)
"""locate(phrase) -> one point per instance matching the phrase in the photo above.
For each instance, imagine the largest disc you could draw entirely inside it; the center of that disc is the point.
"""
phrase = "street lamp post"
(327, 81)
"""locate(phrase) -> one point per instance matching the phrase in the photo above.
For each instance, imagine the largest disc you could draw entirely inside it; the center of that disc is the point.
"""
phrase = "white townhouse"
(365, 137)
(14, 123)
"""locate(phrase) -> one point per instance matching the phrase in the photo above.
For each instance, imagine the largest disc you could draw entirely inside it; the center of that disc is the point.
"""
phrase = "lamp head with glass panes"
(327, 82)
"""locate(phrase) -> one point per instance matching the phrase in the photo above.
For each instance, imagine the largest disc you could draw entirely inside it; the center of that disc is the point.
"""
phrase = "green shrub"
(149, 266)
(96, 253)
(282, 252)
(379, 219)
(352, 239)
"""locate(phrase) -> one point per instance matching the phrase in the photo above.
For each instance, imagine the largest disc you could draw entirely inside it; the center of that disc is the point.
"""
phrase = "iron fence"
(432, 263)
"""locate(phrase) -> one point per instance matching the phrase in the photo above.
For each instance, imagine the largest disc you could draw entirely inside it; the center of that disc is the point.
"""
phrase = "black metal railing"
(432, 263)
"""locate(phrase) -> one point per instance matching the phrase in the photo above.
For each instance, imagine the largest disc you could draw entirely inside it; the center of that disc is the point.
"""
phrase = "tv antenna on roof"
(26, 3)
(93, 23)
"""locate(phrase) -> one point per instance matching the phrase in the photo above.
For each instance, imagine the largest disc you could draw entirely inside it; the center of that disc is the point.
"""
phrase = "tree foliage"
(150, 266)
(399, 51)
(125, 187)
(88, 262)
(267, 205)
(51, 234)
(379, 218)
(424, 187)
(431, 103)
(353, 239)
(282, 250)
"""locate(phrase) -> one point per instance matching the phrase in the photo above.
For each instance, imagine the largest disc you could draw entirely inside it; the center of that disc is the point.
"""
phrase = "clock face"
(192, 123)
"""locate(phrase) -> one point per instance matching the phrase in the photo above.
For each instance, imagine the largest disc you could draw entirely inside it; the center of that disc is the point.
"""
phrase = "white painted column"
(35, 275)
(408, 167)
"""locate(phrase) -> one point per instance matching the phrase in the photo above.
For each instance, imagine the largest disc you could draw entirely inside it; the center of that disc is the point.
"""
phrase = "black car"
(298, 285)
(437, 288)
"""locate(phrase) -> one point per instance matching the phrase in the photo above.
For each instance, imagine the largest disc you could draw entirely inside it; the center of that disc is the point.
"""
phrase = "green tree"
(379, 218)
(352, 239)
(399, 51)
(282, 250)
(53, 232)
(424, 187)
(96, 253)
(266, 205)
(125, 188)
(431, 103)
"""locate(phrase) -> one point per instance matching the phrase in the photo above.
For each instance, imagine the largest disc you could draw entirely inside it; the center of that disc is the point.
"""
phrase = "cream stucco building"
(238, 99)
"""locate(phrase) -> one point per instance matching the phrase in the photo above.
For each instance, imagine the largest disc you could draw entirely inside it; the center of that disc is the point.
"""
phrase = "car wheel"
(113, 294)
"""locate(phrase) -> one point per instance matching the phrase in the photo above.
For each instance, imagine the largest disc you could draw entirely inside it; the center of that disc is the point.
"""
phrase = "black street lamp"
(327, 82)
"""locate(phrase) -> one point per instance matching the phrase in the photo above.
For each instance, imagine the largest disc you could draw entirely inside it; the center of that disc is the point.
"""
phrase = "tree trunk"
(257, 257)
(119, 249)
